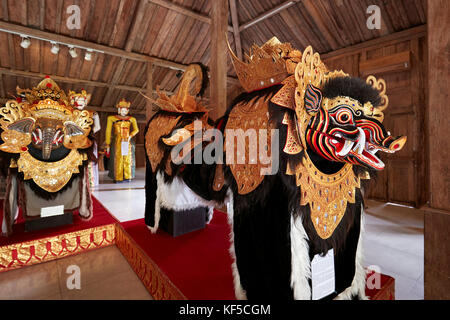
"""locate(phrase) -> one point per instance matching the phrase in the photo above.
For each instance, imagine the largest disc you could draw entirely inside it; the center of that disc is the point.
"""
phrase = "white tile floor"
(393, 240)
(125, 200)
(104, 274)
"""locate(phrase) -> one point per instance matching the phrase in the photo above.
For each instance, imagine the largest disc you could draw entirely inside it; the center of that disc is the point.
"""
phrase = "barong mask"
(338, 120)
(45, 132)
(327, 113)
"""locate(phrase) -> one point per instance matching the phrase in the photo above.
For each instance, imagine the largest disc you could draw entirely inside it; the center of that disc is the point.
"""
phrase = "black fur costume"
(262, 218)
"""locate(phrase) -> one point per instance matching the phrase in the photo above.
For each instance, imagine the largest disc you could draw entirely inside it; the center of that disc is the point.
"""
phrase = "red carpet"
(100, 217)
(197, 263)
(196, 266)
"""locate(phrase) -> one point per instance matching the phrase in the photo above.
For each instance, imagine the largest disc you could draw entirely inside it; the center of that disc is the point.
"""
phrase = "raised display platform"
(194, 266)
(24, 248)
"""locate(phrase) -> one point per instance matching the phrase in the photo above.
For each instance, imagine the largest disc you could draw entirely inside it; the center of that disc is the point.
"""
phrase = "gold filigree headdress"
(46, 103)
(183, 101)
(83, 95)
(46, 89)
(123, 104)
(266, 66)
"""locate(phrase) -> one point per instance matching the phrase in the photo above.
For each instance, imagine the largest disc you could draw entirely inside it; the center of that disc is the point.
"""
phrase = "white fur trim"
(238, 290)
(210, 214)
(14, 206)
(85, 211)
(300, 263)
(177, 196)
(358, 286)
(157, 212)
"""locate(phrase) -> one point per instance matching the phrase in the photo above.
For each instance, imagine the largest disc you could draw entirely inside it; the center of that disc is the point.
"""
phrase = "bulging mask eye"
(344, 116)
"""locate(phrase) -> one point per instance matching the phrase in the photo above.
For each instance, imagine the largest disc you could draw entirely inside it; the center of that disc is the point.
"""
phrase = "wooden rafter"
(37, 75)
(87, 44)
(95, 46)
(185, 11)
(237, 36)
(93, 108)
(318, 18)
(128, 46)
(218, 61)
(268, 14)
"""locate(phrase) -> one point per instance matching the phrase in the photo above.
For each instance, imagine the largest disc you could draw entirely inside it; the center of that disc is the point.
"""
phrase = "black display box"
(177, 223)
(38, 223)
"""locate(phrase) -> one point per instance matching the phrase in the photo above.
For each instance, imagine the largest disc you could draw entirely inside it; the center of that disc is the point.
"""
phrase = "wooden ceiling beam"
(136, 23)
(3, 100)
(321, 22)
(237, 35)
(218, 61)
(6, 26)
(36, 75)
(128, 46)
(185, 11)
(268, 14)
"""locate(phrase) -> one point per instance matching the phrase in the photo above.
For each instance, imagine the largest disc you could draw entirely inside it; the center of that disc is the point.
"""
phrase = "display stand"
(40, 223)
(177, 223)
(196, 265)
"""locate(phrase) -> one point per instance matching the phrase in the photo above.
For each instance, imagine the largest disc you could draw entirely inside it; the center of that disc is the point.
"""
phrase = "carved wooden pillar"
(437, 217)
(219, 58)
(149, 108)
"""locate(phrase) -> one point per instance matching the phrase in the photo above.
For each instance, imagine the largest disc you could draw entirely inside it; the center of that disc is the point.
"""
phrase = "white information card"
(322, 273)
(52, 211)
(125, 148)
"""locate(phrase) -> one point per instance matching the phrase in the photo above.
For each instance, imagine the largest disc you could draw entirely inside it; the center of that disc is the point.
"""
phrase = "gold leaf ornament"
(326, 194)
(50, 176)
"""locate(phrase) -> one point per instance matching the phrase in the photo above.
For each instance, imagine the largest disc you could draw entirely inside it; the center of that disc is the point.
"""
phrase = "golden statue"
(120, 147)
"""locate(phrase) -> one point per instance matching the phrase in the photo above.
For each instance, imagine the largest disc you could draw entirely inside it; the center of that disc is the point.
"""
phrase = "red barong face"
(343, 130)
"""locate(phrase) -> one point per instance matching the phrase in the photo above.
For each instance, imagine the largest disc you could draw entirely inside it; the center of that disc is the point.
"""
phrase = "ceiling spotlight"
(26, 42)
(73, 52)
(88, 55)
(55, 48)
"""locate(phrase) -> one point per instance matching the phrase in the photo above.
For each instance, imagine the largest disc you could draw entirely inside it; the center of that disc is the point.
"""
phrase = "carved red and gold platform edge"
(154, 280)
(31, 252)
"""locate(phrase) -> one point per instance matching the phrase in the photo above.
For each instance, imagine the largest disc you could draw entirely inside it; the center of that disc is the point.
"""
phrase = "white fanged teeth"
(346, 149)
(337, 135)
(359, 147)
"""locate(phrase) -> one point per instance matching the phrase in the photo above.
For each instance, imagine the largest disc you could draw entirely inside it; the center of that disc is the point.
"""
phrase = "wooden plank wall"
(403, 180)
(437, 215)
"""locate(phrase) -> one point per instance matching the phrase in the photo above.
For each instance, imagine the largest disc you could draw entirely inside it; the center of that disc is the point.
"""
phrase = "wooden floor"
(104, 275)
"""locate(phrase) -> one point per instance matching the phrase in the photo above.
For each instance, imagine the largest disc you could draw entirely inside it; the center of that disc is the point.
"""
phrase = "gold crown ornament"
(45, 104)
(123, 104)
(46, 89)
(82, 96)
(265, 66)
